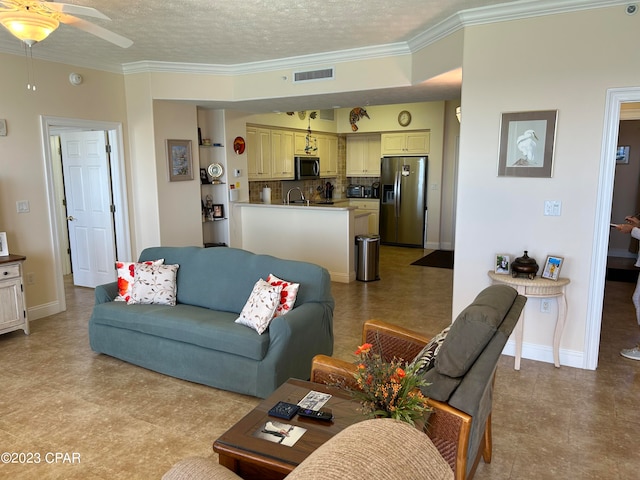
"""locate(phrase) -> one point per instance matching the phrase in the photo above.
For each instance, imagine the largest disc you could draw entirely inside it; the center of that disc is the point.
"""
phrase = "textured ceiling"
(232, 33)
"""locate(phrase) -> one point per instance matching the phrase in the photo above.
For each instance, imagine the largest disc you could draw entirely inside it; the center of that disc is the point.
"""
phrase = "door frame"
(118, 185)
(614, 100)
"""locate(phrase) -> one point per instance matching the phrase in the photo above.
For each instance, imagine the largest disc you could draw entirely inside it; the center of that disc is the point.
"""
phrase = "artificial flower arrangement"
(389, 389)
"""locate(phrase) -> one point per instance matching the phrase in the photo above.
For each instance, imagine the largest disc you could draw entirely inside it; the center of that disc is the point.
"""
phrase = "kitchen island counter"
(319, 233)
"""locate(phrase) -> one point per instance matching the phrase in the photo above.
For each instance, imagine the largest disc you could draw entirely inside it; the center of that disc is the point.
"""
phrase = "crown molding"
(303, 61)
(502, 13)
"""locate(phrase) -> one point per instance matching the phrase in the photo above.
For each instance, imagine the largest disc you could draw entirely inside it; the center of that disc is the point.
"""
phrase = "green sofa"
(198, 339)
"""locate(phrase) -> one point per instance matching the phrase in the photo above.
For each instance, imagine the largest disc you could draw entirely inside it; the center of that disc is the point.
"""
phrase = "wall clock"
(404, 118)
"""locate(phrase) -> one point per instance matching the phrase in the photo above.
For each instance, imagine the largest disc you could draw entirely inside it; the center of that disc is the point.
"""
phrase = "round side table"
(537, 288)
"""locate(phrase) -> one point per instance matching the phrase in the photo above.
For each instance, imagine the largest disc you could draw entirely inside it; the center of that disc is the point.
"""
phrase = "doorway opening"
(616, 97)
(51, 126)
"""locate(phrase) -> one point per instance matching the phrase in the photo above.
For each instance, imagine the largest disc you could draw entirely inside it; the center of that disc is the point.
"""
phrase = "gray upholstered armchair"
(461, 381)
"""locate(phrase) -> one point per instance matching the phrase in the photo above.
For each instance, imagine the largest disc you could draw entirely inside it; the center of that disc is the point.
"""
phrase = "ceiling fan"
(32, 21)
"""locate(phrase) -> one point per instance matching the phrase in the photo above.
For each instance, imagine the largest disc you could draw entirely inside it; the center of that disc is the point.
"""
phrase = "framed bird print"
(527, 142)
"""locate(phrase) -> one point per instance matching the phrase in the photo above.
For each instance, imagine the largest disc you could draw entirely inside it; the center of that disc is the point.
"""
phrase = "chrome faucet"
(289, 194)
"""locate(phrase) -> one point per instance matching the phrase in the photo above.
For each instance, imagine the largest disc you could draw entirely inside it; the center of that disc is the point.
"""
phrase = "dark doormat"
(622, 275)
(437, 259)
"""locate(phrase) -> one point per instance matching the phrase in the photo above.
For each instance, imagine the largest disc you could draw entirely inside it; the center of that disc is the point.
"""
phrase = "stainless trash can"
(367, 258)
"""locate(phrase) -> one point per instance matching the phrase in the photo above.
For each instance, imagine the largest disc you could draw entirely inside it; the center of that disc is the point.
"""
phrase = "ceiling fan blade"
(97, 30)
(76, 10)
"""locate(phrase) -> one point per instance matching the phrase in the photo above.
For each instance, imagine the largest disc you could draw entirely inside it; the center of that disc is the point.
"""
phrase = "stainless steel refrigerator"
(403, 200)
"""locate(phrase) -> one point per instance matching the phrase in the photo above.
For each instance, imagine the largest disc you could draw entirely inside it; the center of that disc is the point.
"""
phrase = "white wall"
(22, 167)
(566, 63)
(178, 202)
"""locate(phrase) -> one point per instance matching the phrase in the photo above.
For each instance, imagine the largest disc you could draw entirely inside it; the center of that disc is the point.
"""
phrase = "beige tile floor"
(124, 422)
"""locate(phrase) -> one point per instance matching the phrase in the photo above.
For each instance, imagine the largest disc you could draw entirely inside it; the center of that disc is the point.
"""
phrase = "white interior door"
(87, 184)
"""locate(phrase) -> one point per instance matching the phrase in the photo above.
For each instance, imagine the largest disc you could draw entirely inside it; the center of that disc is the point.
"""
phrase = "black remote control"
(315, 414)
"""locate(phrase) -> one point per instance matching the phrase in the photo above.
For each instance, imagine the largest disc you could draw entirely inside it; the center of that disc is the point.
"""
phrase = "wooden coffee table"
(255, 458)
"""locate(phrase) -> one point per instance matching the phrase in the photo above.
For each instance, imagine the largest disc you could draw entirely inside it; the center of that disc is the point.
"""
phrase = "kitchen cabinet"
(258, 153)
(406, 143)
(13, 309)
(300, 139)
(372, 206)
(282, 155)
(363, 155)
(328, 154)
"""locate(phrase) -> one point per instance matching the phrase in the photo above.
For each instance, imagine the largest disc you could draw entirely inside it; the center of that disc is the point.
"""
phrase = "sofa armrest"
(392, 341)
(448, 429)
(106, 293)
(294, 339)
(332, 371)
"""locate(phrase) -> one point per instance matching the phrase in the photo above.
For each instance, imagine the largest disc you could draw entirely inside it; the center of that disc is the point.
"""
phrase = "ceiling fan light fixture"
(28, 27)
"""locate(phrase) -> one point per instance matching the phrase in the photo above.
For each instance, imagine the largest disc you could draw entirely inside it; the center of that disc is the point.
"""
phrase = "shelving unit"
(215, 231)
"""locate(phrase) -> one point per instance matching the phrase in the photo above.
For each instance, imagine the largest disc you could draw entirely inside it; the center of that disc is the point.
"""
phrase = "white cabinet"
(328, 153)
(13, 309)
(258, 153)
(282, 155)
(305, 147)
(363, 155)
(372, 206)
(406, 143)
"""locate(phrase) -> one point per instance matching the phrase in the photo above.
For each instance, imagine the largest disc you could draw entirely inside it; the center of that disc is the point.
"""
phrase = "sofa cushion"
(201, 283)
(154, 284)
(473, 329)
(287, 295)
(126, 275)
(258, 312)
(427, 356)
(185, 323)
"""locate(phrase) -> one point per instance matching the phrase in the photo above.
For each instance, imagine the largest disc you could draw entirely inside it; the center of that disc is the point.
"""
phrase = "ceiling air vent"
(311, 75)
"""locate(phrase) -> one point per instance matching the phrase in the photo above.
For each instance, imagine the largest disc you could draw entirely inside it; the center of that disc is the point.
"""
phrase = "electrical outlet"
(545, 305)
(31, 278)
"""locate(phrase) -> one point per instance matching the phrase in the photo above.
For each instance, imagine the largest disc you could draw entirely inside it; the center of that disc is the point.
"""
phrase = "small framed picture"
(204, 179)
(502, 264)
(179, 157)
(527, 142)
(552, 267)
(4, 248)
(218, 210)
(622, 155)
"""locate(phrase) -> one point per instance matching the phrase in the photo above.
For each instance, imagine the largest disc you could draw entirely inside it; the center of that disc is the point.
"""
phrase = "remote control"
(315, 414)
(284, 410)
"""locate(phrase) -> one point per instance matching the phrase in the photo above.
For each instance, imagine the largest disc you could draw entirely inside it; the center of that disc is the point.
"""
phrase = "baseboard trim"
(544, 353)
(44, 310)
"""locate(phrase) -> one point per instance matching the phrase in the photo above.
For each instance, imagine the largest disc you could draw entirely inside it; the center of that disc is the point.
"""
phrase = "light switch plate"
(3, 127)
(22, 206)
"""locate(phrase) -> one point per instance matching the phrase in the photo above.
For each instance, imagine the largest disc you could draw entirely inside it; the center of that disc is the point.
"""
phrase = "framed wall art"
(180, 165)
(622, 155)
(4, 248)
(527, 142)
(218, 210)
(502, 264)
(552, 267)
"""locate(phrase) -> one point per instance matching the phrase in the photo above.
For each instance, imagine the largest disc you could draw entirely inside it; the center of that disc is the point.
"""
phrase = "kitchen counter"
(319, 233)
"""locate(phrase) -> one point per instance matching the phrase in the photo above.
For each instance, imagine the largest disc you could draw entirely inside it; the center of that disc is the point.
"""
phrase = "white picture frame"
(502, 264)
(4, 247)
(552, 267)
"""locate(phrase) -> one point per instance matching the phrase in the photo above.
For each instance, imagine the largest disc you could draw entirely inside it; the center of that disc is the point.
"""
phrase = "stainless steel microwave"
(307, 167)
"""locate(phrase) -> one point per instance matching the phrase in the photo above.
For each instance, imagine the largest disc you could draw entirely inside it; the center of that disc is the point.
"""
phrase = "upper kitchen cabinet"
(304, 147)
(363, 155)
(406, 143)
(328, 154)
(258, 153)
(282, 155)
